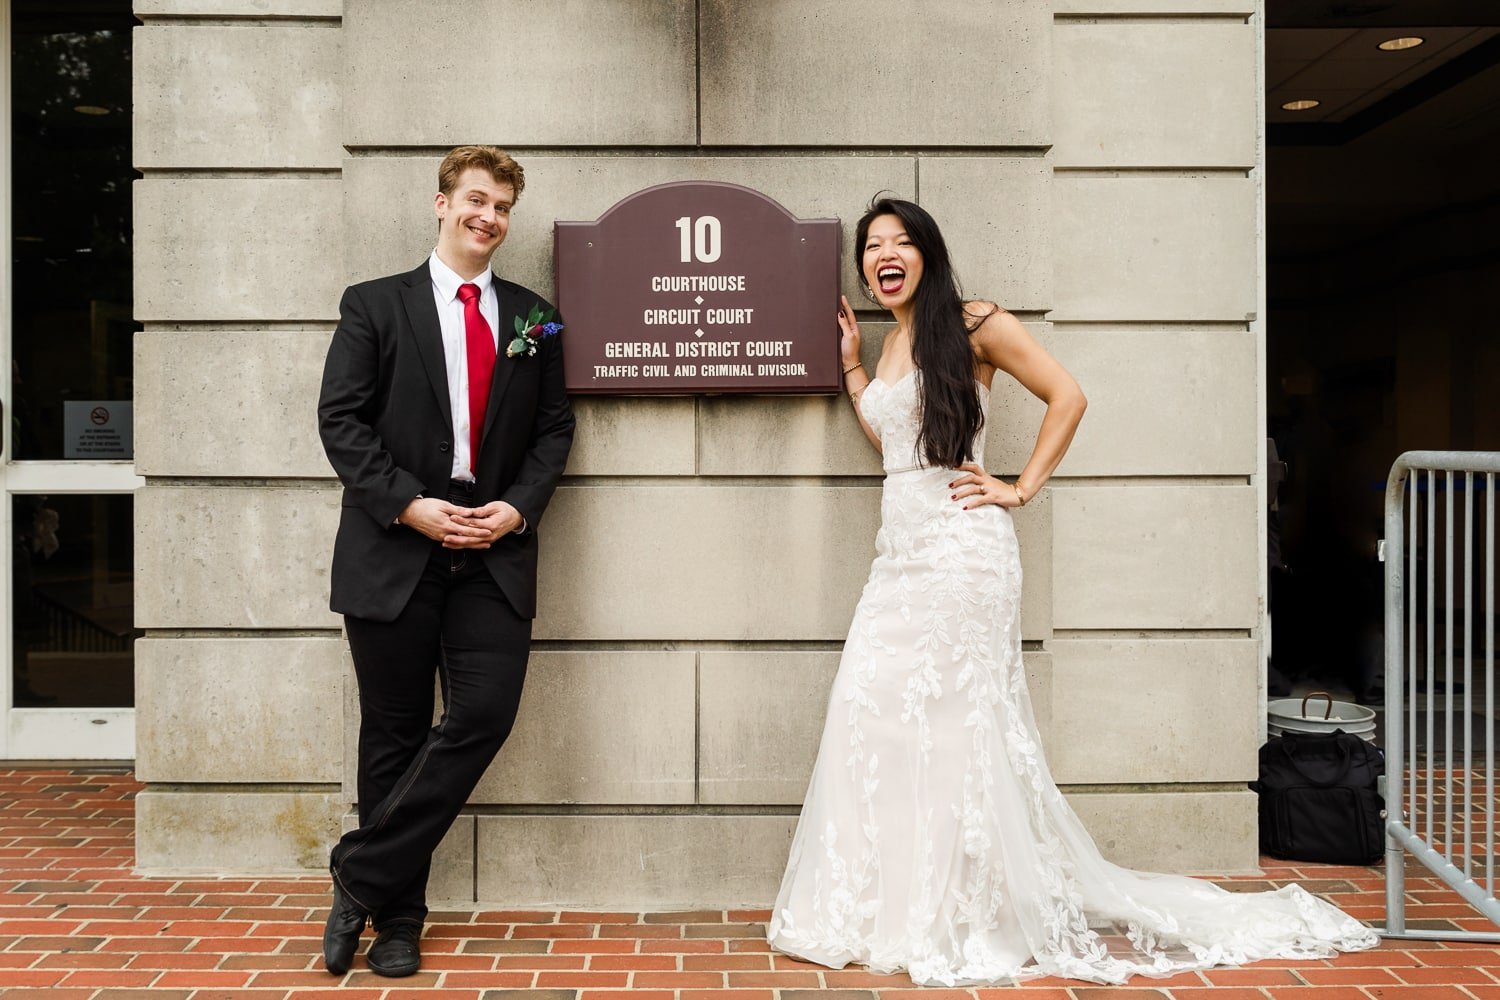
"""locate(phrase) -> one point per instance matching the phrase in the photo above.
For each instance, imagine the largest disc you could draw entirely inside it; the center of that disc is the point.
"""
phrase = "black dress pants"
(414, 777)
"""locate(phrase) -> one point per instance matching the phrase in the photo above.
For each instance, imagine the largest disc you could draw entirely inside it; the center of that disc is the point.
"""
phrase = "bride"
(933, 838)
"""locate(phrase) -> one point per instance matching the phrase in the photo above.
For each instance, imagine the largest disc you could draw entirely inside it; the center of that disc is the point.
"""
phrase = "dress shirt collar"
(446, 280)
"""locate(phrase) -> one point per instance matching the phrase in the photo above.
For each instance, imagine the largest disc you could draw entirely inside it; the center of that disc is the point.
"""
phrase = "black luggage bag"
(1320, 799)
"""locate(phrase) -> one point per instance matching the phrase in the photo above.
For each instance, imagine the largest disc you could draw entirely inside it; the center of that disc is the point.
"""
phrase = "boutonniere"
(531, 330)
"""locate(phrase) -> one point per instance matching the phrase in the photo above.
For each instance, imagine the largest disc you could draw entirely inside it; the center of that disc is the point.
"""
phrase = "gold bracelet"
(854, 393)
(857, 364)
(1019, 495)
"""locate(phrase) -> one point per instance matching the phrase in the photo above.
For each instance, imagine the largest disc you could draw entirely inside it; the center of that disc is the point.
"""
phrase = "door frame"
(42, 733)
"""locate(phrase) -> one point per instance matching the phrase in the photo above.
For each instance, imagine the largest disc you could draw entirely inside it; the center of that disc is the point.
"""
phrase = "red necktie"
(480, 342)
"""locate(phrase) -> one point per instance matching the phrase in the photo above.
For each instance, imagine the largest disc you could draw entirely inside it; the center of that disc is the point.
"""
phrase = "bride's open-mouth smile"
(891, 279)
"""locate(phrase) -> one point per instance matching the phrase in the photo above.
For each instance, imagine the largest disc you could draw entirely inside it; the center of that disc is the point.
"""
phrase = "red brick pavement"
(76, 923)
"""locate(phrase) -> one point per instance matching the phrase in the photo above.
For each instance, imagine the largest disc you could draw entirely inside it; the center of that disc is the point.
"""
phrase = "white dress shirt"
(450, 308)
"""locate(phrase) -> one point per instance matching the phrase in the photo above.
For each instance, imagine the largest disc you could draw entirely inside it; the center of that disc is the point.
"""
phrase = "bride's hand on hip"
(848, 333)
(974, 488)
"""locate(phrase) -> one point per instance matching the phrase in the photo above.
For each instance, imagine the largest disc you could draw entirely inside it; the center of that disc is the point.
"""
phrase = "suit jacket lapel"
(510, 307)
(421, 311)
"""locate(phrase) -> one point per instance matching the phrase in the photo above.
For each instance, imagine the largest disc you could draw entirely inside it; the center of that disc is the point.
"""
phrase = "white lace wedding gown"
(933, 838)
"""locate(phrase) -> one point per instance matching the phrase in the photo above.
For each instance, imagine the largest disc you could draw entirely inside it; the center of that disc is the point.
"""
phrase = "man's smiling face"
(473, 221)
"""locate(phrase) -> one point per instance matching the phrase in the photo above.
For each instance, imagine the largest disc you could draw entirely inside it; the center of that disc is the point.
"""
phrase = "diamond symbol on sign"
(699, 300)
(698, 332)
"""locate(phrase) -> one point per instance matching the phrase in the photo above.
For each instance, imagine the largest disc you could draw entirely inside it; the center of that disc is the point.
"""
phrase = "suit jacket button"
(442, 446)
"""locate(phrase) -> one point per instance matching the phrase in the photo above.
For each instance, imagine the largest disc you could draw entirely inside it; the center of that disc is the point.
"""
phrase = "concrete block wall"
(239, 261)
(1095, 166)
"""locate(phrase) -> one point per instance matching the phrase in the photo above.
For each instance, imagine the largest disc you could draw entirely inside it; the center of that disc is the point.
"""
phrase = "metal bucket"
(1290, 715)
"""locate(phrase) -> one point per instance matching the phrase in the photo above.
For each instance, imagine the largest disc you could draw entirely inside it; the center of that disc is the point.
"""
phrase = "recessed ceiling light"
(1300, 105)
(91, 109)
(1397, 44)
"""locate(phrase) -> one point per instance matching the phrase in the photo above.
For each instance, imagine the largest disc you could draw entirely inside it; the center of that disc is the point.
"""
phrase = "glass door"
(67, 629)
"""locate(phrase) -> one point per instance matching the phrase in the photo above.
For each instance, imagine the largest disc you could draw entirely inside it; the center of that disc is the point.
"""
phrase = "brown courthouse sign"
(699, 286)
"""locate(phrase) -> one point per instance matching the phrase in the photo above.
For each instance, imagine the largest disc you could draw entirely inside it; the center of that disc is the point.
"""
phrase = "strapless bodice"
(895, 413)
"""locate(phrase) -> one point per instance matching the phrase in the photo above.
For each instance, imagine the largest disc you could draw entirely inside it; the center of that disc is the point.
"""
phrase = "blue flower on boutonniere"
(531, 330)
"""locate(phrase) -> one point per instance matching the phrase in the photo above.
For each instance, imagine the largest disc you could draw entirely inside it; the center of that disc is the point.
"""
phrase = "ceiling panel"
(1353, 74)
(1359, 63)
(1369, 99)
(1464, 113)
(1304, 43)
(1391, 143)
(1279, 71)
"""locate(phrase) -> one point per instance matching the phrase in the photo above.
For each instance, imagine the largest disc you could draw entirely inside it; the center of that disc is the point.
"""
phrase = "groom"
(449, 426)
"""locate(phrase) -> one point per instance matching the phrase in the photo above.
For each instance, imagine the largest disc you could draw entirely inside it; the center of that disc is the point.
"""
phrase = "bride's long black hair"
(940, 347)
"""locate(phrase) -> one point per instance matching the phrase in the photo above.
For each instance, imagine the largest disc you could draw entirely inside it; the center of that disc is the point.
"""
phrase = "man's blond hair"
(491, 159)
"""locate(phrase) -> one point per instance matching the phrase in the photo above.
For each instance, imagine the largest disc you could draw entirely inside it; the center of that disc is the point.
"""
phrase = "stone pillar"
(239, 263)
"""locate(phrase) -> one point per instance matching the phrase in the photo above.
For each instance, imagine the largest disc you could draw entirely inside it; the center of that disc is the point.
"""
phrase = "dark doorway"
(70, 328)
(1383, 245)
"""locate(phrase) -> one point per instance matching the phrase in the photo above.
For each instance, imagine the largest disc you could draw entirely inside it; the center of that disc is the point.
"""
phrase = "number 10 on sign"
(704, 243)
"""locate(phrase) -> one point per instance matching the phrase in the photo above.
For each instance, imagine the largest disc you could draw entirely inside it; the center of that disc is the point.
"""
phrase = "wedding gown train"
(933, 838)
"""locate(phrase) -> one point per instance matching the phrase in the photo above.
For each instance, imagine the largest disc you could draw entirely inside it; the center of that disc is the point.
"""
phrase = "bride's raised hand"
(848, 333)
(974, 487)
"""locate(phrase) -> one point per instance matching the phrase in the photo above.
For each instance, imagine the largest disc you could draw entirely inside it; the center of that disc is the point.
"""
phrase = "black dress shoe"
(397, 950)
(346, 919)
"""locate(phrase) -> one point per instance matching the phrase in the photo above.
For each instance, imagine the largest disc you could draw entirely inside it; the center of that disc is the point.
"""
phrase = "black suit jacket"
(387, 426)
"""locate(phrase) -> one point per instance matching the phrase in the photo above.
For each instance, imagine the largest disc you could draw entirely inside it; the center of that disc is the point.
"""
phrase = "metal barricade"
(1455, 632)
